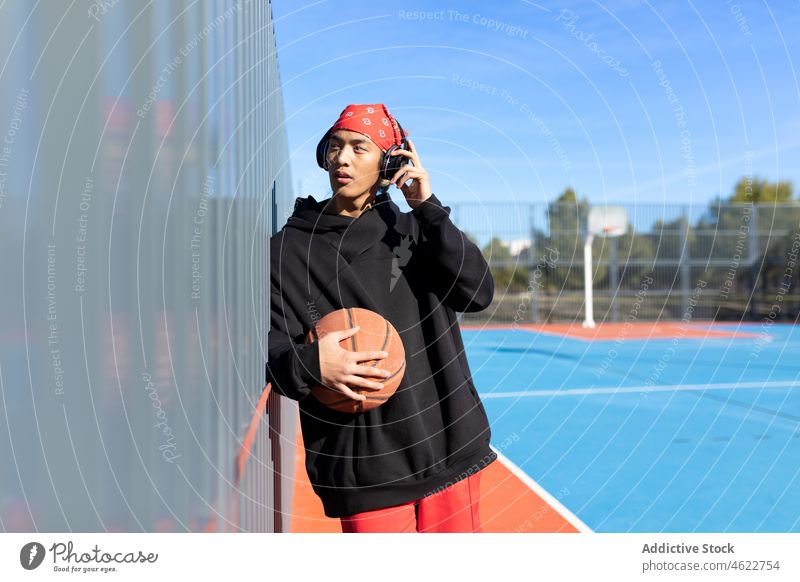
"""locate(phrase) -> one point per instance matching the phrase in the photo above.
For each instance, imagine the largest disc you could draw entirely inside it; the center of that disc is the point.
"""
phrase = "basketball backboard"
(608, 221)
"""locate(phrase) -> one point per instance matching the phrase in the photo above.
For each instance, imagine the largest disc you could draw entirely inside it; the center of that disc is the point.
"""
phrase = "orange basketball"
(375, 334)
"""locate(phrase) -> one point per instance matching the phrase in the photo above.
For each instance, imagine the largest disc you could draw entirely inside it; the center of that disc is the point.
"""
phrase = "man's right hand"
(340, 368)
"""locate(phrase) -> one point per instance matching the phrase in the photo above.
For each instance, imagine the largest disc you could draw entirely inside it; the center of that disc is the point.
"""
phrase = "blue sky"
(625, 101)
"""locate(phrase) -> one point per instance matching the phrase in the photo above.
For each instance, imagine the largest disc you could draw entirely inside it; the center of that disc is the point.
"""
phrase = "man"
(411, 464)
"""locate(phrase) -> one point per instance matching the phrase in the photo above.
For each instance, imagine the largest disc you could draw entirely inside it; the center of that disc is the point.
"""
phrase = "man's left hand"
(420, 188)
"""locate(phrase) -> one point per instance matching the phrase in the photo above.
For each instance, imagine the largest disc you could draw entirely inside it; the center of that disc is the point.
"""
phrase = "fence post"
(533, 316)
(613, 276)
(753, 256)
(685, 259)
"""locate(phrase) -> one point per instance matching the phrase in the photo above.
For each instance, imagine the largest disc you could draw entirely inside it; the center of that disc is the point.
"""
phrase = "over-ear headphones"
(389, 164)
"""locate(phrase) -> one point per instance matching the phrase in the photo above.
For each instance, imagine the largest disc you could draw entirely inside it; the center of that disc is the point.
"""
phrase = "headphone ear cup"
(391, 163)
(386, 162)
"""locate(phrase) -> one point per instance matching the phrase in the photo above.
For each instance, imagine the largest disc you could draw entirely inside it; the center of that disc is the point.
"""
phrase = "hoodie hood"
(350, 236)
(309, 215)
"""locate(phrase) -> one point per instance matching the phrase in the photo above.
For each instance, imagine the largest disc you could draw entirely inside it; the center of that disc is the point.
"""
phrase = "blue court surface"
(665, 433)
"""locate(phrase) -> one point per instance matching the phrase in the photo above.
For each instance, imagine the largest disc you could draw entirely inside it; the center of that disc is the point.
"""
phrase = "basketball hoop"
(612, 231)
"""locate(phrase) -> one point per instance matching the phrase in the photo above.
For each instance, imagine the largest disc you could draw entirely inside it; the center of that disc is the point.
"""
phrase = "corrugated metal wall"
(146, 155)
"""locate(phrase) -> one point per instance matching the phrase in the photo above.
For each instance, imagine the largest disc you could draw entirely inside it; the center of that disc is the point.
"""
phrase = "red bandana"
(372, 120)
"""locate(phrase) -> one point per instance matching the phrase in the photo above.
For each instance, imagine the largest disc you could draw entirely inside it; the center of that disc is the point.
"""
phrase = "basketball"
(375, 334)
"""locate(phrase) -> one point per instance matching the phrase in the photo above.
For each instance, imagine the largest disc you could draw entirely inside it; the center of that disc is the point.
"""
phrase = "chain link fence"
(715, 262)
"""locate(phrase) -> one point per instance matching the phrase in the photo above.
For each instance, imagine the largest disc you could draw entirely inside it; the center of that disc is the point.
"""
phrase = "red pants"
(454, 509)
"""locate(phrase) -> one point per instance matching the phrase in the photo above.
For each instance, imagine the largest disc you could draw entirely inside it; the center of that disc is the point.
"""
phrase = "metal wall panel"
(136, 205)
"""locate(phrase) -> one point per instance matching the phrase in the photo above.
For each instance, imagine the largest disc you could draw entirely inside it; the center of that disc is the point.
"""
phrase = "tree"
(508, 272)
(749, 234)
(567, 223)
(760, 191)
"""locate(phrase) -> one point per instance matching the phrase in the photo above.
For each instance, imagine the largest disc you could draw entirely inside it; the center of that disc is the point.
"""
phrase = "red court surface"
(623, 330)
(507, 504)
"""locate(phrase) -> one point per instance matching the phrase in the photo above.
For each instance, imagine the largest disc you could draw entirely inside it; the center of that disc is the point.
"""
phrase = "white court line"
(543, 493)
(632, 389)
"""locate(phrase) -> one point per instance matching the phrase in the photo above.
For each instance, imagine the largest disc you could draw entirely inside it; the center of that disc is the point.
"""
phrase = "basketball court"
(691, 428)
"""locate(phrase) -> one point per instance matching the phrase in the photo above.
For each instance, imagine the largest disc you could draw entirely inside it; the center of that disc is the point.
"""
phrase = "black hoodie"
(416, 269)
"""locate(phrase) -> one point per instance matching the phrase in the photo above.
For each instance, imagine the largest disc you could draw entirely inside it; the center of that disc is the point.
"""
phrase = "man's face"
(357, 158)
